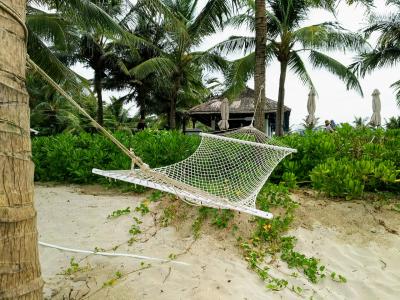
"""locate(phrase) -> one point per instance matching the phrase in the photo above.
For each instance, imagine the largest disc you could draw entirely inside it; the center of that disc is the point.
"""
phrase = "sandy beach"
(354, 239)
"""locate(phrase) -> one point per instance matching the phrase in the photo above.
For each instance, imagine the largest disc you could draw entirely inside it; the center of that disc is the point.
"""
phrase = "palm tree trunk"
(141, 100)
(172, 105)
(281, 99)
(142, 112)
(20, 275)
(172, 113)
(98, 88)
(259, 74)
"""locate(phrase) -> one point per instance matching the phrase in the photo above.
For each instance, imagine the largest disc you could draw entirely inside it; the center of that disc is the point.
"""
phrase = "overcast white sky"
(334, 101)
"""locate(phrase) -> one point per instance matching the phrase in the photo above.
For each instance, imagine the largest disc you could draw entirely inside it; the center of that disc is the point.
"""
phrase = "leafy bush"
(349, 178)
(393, 123)
(344, 163)
(70, 158)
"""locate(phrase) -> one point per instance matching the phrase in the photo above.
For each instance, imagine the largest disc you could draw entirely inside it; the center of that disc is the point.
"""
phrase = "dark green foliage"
(393, 123)
(349, 178)
(344, 163)
(70, 158)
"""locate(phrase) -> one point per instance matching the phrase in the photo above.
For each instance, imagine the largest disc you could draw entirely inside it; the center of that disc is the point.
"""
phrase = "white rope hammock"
(226, 171)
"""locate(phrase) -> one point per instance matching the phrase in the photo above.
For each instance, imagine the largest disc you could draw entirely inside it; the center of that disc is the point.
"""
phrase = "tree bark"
(259, 73)
(98, 88)
(20, 275)
(172, 113)
(141, 100)
(172, 105)
(281, 99)
(142, 113)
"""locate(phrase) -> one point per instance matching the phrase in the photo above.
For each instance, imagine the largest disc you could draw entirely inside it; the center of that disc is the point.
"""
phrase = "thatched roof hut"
(241, 111)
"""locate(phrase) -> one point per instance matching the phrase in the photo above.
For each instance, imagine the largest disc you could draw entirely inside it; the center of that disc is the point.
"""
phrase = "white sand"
(349, 238)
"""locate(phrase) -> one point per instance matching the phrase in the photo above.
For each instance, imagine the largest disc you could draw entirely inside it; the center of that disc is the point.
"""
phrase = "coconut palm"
(260, 28)
(387, 50)
(55, 34)
(186, 30)
(20, 275)
(85, 37)
(51, 114)
(360, 122)
(141, 89)
(288, 41)
(393, 123)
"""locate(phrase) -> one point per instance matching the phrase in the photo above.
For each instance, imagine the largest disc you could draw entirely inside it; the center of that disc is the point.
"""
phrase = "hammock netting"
(226, 171)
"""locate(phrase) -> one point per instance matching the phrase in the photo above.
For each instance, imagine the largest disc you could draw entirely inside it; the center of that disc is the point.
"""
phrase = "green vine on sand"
(119, 212)
(268, 240)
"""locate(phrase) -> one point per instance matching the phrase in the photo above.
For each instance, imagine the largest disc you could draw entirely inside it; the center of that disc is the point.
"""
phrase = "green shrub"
(378, 146)
(349, 178)
(70, 158)
(289, 180)
(333, 162)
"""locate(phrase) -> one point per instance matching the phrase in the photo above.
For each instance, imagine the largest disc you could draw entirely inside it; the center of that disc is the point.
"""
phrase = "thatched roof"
(243, 104)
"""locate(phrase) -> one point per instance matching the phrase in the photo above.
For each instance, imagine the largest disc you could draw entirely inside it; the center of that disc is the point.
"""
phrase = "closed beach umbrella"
(223, 124)
(376, 109)
(311, 107)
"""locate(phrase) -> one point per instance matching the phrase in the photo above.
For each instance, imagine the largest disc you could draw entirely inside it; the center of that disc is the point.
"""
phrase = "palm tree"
(260, 57)
(187, 28)
(387, 50)
(360, 122)
(20, 275)
(95, 51)
(78, 30)
(141, 88)
(50, 113)
(393, 123)
(287, 41)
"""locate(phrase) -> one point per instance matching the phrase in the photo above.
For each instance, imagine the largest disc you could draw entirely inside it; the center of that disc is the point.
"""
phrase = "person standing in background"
(328, 126)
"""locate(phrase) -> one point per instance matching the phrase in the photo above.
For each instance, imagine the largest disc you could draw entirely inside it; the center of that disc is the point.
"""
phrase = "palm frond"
(396, 87)
(45, 59)
(212, 17)
(320, 60)
(246, 18)
(211, 61)
(50, 27)
(238, 74)
(235, 44)
(329, 5)
(377, 58)
(161, 66)
(329, 36)
(297, 66)
(387, 25)
(290, 13)
(86, 14)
